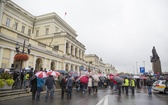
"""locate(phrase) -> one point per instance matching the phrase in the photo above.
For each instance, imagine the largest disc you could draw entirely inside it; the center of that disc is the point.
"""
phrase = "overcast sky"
(121, 32)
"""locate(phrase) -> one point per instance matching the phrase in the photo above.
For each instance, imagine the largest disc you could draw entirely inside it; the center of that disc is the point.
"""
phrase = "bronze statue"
(155, 56)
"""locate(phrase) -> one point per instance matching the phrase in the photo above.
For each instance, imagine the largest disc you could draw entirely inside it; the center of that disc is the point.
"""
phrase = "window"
(47, 30)
(29, 32)
(37, 32)
(8, 22)
(15, 25)
(23, 29)
(56, 48)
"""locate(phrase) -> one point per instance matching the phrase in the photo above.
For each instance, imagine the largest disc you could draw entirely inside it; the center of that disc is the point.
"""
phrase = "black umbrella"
(62, 71)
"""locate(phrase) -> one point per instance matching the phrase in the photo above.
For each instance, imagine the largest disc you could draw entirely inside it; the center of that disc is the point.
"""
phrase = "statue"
(155, 60)
(155, 56)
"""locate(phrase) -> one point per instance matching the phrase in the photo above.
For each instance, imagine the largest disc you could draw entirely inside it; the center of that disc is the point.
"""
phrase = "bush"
(6, 78)
(2, 83)
(9, 82)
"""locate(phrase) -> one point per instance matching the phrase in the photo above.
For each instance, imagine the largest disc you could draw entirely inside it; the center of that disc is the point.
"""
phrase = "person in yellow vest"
(132, 85)
(126, 85)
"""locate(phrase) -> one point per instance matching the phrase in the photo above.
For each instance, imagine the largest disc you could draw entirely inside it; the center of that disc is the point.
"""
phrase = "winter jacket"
(50, 82)
(40, 82)
(69, 82)
(149, 82)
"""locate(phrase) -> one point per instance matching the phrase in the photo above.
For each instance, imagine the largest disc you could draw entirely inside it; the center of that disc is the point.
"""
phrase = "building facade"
(53, 42)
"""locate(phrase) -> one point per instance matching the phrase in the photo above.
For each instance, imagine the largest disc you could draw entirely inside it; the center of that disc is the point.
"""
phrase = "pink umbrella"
(41, 74)
(53, 73)
(143, 77)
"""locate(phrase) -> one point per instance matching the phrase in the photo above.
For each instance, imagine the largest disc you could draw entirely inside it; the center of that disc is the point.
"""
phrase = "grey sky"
(121, 32)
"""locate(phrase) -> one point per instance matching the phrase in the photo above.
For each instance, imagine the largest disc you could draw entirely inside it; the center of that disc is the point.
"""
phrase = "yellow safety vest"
(27, 76)
(132, 83)
(126, 83)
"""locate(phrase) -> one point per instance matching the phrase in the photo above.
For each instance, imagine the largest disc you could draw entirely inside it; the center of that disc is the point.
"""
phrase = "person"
(95, 86)
(138, 83)
(15, 78)
(149, 84)
(31, 73)
(50, 83)
(90, 84)
(69, 86)
(63, 85)
(33, 85)
(132, 85)
(22, 77)
(126, 85)
(40, 86)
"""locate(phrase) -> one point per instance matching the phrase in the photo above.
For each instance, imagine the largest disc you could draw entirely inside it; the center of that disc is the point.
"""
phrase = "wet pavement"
(103, 97)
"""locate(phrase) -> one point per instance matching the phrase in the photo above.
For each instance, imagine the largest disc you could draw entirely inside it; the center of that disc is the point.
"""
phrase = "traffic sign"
(142, 69)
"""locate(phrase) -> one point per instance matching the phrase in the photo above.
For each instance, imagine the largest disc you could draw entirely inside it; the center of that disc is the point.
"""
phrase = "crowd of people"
(82, 83)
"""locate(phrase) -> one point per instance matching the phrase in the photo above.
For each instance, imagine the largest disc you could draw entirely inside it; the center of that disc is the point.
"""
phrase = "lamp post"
(21, 56)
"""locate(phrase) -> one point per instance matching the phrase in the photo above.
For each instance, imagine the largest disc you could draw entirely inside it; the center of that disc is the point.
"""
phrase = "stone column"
(11, 57)
(34, 62)
(49, 65)
(45, 63)
(2, 6)
(1, 54)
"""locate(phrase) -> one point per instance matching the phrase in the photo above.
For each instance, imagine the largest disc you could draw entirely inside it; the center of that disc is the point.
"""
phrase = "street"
(103, 97)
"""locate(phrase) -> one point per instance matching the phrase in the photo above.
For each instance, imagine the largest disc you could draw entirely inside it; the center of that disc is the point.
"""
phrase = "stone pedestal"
(156, 67)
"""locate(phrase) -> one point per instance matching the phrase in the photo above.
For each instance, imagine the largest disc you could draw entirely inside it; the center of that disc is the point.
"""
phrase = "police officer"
(132, 85)
(126, 85)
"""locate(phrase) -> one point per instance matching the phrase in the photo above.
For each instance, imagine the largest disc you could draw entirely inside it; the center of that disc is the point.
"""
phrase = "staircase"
(13, 93)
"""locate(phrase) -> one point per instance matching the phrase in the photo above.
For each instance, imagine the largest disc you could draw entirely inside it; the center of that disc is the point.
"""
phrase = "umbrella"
(102, 78)
(62, 71)
(73, 73)
(135, 76)
(41, 74)
(118, 79)
(84, 79)
(143, 77)
(100, 74)
(96, 78)
(124, 76)
(111, 78)
(53, 73)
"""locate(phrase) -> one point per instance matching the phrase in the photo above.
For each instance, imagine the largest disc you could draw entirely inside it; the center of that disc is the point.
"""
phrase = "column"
(2, 6)
(49, 65)
(56, 65)
(11, 58)
(1, 54)
(45, 63)
(69, 50)
(34, 62)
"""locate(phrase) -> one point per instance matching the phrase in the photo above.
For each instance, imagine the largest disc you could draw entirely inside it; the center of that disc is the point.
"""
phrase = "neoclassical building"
(53, 42)
(97, 64)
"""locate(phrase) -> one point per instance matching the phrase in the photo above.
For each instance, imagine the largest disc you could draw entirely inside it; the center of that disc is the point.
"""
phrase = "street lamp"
(21, 56)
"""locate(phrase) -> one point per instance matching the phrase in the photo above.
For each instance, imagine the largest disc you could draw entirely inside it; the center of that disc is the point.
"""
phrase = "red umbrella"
(111, 78)
(41, 74)
(53, 73)
(84, 79)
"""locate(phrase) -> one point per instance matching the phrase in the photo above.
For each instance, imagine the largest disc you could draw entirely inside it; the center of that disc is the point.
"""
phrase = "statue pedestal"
(156, 67)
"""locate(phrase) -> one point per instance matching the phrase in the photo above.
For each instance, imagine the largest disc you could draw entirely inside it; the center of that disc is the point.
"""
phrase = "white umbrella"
(135, 76)
(96, 78)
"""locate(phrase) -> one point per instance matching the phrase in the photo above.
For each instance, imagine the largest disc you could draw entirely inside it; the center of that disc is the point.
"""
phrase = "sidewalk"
(13, 95)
